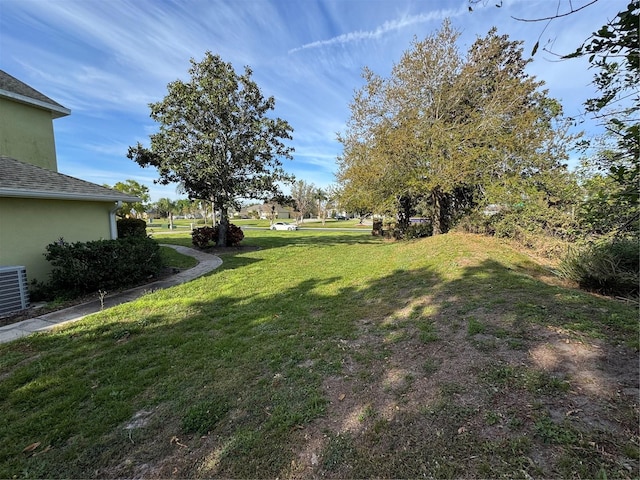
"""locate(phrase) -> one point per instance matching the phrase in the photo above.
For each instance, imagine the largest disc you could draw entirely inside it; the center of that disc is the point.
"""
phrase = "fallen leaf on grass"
(342, 397)
(47, 448)
(176, 440)
(30, 448)
(41, 452)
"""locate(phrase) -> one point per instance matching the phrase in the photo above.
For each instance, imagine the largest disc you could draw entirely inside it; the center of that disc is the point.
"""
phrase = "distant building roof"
(14, 89)
(23, 180)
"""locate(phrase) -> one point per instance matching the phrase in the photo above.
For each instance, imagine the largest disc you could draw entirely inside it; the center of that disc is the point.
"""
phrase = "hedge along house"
(38, 205)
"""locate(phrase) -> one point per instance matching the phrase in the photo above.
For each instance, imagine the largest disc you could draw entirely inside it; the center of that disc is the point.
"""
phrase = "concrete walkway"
(206, 264)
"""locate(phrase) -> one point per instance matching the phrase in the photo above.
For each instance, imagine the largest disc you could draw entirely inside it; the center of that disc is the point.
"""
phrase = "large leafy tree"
(388, 159)
(614, 52)
(302, 194)
(165, 207)
(184, 206)
(613, 171)
(356, 181)
(449, 131)
(513, 136)
(216, 138)
(136, 189)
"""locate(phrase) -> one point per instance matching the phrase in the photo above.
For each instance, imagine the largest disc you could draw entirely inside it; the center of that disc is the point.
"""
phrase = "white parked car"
(283, 226)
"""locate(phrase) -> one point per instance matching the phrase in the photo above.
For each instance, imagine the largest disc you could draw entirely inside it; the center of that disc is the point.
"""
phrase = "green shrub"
(81, 268)
(610, 266)
(413, 231)
(518, 223)
(131, 227)
(376, 230)
(40, 291)
(478, 223)
(202, 236)
(419, 230)
(521, 222)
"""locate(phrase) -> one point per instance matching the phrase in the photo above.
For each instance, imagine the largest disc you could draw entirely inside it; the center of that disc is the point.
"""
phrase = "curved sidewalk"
(206, 264)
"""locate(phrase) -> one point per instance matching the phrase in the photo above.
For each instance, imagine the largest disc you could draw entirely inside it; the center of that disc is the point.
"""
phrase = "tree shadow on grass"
(483, 375)
(487, 375)
(271, 239)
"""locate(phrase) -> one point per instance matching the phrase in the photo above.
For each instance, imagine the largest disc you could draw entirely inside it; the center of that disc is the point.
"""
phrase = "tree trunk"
(223, 228)
(436, 219)
(404, 213)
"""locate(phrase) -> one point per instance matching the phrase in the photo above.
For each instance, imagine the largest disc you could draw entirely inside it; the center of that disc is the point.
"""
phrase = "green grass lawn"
(161, 225)
(334, 354)
(174, 259)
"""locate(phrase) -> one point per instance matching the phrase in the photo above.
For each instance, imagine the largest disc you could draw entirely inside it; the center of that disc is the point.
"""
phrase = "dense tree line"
(447, 135)
(613, 183)
(447, 132)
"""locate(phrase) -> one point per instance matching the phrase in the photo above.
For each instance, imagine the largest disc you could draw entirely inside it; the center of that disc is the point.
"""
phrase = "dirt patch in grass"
(549, 404)
(446, 393)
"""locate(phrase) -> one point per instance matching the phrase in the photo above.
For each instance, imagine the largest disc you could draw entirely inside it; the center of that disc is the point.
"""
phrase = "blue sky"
(106, 60)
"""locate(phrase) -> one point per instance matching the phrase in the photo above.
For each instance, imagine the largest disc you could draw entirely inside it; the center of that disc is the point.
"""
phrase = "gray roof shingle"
(23, 180)
(11, 87)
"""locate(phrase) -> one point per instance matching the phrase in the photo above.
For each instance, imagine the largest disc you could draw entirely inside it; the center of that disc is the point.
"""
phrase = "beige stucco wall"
(26, 134)
(27, 226)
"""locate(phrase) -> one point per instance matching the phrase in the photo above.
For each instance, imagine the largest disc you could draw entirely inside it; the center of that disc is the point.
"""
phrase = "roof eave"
(17, 193)
(57, 111)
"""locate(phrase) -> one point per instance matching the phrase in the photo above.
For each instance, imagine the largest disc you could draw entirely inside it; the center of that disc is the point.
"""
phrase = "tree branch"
(559, 15)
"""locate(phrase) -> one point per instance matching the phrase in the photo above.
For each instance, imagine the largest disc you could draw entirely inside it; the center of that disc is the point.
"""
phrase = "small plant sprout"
(102, 294)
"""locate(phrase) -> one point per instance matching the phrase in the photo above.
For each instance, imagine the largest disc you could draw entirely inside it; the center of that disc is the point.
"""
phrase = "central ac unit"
(14, 294)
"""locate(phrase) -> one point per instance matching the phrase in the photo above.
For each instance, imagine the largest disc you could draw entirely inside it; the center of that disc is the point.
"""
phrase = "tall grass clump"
(608, 266)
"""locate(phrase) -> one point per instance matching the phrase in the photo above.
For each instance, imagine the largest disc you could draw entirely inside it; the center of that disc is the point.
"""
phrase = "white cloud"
(387, 27)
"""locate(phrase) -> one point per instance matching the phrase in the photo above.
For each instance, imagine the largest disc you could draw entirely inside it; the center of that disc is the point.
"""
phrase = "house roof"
(264, 207)
(14, 89)
(23, 180)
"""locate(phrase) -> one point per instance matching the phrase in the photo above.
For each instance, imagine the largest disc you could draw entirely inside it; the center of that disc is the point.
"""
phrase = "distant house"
(38, 205)
(266, 211)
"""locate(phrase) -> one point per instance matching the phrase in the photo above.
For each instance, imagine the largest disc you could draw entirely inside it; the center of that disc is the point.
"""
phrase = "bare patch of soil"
(463, 389)
(536, 399)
